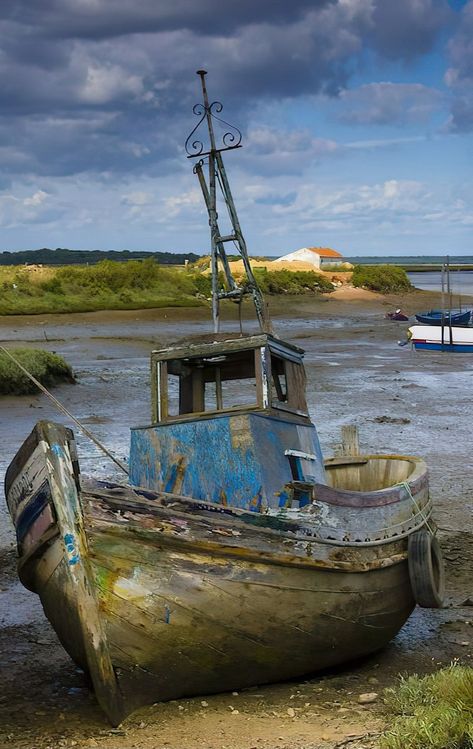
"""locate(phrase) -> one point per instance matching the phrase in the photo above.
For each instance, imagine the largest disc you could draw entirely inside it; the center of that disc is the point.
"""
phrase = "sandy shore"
(406, 402)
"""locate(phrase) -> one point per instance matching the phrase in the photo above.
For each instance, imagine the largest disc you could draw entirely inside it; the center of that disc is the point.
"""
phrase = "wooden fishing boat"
(446, 317)
(441, 338)
(234, 555)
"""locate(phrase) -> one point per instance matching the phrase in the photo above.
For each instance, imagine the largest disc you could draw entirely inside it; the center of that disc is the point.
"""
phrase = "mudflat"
(401, 401)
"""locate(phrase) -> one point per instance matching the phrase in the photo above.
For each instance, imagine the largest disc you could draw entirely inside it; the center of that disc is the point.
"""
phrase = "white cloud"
(103, 84)
(39, 197)
(177, 204)
(17, 210)
(272, 151)
(386, 103)
(384, 142)
(138, 198)
(396, 203)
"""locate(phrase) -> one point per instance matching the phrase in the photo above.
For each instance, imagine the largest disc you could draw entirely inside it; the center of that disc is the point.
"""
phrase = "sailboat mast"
(218, 183)
(449, 292)
(442, 305)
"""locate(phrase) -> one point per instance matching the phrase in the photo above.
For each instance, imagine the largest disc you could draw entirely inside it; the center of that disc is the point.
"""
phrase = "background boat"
(441, 338)
(446, 317)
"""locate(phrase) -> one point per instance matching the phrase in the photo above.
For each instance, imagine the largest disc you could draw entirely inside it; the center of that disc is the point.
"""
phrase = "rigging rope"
(64, 410)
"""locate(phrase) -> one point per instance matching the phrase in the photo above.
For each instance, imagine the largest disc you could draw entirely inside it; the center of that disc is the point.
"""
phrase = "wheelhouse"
(229, 425)
(212, 377)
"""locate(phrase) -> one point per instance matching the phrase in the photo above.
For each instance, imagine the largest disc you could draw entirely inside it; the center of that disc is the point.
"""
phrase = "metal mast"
(218, 184)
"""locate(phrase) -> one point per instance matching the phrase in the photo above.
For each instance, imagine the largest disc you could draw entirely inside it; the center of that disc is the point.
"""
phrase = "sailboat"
(444, 329)
(233, 554)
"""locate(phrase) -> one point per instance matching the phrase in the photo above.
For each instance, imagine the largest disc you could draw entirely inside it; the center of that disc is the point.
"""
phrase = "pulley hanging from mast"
(218, 182)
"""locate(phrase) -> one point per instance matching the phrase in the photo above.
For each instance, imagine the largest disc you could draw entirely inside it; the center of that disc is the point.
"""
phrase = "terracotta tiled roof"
(325, 252)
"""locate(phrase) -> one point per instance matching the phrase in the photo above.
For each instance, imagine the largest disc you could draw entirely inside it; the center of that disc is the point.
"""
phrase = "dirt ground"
(401, 401)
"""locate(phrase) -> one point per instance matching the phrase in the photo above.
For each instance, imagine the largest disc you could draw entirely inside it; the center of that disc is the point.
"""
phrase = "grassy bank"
(433, 712)
(107, 285)
(126, 285)
(49, 369)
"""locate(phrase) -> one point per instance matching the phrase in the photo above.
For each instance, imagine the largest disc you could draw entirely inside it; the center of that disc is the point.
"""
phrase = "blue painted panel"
(33, 510)
(234, 459)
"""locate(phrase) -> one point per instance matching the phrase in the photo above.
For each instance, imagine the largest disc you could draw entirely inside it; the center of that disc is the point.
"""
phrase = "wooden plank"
(217, 343)
(218, 389)
(261, 377)
(163, 391)
(155, 391)
(345, 460)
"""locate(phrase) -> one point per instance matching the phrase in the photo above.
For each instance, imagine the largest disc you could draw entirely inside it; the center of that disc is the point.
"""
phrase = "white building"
(316, 256)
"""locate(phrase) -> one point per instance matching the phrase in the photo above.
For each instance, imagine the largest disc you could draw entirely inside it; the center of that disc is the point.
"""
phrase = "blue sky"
(357, 119)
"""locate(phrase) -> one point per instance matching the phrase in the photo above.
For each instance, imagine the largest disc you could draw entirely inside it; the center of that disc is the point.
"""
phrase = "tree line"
(63, 256)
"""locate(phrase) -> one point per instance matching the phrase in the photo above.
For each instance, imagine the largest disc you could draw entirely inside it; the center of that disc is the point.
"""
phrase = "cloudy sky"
(357, 120)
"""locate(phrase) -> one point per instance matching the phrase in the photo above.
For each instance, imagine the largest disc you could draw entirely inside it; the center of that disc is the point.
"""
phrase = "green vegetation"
(48, 368)
(291, 282)
(433, 712)
(137, 284)
(382, 278)
(340, 267)
(107, 285)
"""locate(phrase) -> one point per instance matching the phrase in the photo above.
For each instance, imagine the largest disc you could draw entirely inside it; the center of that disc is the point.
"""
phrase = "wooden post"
(350, 442)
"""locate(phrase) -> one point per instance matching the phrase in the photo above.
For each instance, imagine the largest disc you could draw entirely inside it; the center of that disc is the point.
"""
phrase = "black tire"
(426, 571)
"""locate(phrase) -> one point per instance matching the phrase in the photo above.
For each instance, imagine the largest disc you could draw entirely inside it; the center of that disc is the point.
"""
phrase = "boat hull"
(449, 318)
(186, 624)
(160, 596)
(436, 338)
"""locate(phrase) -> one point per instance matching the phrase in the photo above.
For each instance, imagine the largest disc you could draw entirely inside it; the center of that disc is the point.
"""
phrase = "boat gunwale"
(289, 528)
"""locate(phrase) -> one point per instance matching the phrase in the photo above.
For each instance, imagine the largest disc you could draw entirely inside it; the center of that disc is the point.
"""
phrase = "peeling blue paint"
(70, 545)
(237, 460)
(283, 499)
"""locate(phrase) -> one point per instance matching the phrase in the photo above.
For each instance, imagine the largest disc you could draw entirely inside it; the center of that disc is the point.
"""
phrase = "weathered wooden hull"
(160, 596)
(179, 624)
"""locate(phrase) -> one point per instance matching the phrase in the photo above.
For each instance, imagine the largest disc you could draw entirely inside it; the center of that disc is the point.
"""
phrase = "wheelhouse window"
(213, 377)
(197, 385)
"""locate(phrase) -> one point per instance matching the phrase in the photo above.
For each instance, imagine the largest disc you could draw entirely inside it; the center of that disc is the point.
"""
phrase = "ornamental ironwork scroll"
(231, 137)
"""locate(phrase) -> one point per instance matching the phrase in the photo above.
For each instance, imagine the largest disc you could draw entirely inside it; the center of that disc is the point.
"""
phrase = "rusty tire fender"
(426, 569)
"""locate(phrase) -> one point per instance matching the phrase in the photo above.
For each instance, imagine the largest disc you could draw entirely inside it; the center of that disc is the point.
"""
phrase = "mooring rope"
(419, 509)
(64, 410)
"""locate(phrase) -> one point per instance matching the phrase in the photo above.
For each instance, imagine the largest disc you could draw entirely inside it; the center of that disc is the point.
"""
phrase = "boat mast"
(217, 178)
(442, 303)
(449, 292)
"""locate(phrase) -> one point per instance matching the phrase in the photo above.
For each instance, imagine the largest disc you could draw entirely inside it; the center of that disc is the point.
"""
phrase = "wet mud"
(401, 401)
